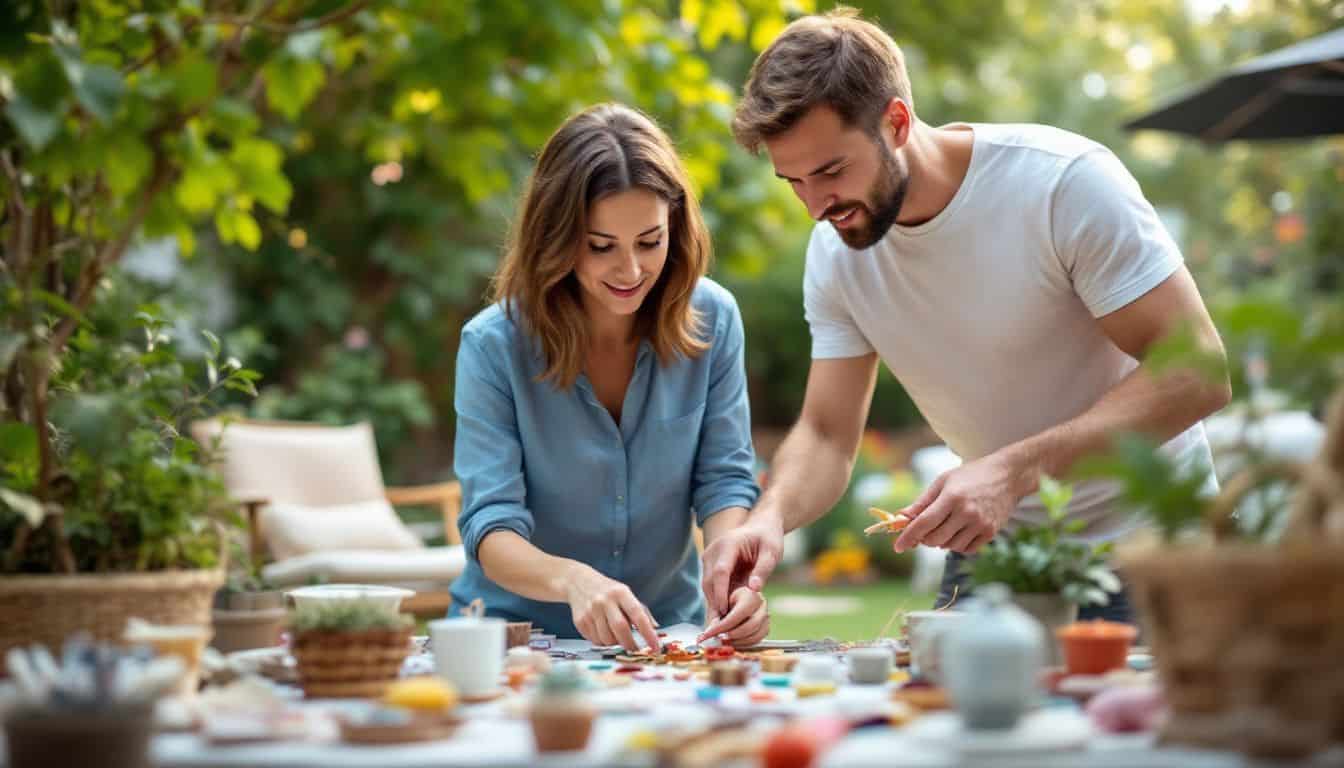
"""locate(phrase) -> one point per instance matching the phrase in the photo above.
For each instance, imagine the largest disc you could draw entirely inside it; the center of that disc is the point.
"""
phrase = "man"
(1011, 277)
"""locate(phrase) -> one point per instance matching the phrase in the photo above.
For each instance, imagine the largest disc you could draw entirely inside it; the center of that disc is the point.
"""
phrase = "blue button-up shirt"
(554, 467)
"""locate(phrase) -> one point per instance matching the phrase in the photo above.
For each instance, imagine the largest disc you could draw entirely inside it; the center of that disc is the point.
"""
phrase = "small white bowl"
(384, 597)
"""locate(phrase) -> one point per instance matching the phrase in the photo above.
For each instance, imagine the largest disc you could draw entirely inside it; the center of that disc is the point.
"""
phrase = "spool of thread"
(778, 665)
(727, 673)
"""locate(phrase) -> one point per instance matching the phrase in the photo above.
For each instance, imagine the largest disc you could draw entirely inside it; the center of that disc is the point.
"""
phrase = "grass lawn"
(872, 606)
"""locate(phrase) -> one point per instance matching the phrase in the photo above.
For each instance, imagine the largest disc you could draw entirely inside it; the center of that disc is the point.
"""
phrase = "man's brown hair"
(836, 59)
(603, 150)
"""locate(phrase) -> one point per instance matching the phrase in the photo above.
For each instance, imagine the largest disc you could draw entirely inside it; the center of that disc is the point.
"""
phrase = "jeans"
(1118, 609)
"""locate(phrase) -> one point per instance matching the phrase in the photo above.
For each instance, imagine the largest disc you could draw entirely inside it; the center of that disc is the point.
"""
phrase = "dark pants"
(1118, 609)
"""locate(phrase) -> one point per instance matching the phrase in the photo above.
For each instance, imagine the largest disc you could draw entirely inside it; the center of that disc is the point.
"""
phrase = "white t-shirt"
(986, 313)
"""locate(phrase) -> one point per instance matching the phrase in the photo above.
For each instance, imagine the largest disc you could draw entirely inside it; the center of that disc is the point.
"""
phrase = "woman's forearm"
(723, 521)
(515, 564)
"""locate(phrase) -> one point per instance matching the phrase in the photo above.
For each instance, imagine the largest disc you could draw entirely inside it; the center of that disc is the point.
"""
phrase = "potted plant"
(1049, 573)
(1243, 613)
(118, 127)
(248, 613)
(349, 648)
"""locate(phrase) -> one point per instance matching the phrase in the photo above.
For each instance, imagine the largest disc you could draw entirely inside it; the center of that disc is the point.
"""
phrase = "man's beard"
(887, 194)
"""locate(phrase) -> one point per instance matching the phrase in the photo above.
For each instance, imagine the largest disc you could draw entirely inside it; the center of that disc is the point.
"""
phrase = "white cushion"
(291, 530)
(424, 567)
(301, 464)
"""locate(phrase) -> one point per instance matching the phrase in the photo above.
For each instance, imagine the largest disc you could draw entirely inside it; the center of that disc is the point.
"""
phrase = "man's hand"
(965, 507)
(747, 622)
(742, 557)
(604, 609)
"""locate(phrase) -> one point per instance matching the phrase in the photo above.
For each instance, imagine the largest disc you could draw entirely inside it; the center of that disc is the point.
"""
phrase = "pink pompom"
(1127, 709)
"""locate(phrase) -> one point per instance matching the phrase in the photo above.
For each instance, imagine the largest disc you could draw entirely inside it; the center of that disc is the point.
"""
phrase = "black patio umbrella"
(1293, 92)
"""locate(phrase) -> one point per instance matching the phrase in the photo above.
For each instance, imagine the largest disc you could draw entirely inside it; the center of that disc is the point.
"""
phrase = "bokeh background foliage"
(345, 187)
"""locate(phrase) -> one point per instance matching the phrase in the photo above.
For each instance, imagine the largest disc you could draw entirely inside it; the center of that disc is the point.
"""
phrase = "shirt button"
(617, 552)
(620, 498)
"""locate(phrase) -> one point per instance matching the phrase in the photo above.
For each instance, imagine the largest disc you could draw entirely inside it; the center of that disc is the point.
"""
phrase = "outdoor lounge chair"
(317, 510)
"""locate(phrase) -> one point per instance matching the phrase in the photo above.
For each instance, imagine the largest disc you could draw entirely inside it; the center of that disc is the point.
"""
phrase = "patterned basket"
(1248, 640)
(350, 664)
(48, 609)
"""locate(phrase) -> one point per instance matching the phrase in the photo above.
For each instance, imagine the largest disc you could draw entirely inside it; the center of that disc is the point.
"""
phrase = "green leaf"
(193, 79)
(37, 125)
(1054, 496)
(126, 163)
(237, 226)
(1104, 577)
(18, 443)
(240, 385)
(213, 340)
(291, 84)
(259, 171)
(99, 91)
(58, 303)
(233, 117)
(28, 507)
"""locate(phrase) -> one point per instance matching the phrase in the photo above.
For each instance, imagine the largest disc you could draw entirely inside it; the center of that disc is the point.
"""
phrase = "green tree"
(121, 121)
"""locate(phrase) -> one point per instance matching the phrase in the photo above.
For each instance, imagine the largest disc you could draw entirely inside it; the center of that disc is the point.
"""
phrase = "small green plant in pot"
(349, 648)
(249, 613)
(1050, 572)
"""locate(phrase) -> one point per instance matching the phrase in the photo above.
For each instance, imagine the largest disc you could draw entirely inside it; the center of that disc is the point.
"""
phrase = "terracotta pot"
(1095, 647)
(68, 740)
(561, 726)
(245, 630)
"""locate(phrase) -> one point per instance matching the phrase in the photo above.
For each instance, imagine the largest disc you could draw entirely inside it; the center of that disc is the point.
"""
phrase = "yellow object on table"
(423, 694)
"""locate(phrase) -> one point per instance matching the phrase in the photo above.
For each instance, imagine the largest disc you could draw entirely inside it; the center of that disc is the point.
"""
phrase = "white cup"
(870, 666)
(469, 652)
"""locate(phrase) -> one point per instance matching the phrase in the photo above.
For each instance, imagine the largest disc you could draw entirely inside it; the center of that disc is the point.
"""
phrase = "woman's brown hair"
(603, 150)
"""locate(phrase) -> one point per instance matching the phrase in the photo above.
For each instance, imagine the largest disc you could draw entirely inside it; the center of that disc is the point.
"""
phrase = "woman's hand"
(746, 623)
(604, 609)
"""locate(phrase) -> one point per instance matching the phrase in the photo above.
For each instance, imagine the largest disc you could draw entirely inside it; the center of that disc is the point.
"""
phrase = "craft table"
(494, 735)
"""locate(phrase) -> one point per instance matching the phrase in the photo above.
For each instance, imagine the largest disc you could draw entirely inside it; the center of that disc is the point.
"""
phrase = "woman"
(601, 400)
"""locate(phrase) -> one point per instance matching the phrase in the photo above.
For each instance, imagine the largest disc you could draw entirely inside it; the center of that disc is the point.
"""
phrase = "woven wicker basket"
(349, 664)
(48, 609)
(1249, 640)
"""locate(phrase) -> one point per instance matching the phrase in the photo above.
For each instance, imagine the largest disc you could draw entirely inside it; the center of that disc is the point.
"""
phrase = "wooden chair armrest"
(256, 548)
(446, 496)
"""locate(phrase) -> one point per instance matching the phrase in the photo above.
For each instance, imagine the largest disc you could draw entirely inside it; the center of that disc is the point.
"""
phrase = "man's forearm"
(1160, 407)
(808, 475)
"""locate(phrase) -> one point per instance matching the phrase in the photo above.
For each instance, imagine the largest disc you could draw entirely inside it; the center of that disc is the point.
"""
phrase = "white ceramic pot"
(926, 638)
(385, 597)
(991, 662)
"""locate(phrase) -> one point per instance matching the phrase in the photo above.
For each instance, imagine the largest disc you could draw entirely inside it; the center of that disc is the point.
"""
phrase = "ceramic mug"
(815, 668)
(926, 638)
(870, 666)
(469, 652)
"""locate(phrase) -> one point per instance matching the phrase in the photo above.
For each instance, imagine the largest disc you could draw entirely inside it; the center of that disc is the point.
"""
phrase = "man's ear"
(898, 119)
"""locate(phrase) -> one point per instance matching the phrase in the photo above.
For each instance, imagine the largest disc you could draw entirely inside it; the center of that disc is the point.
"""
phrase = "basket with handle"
(1248, 639)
